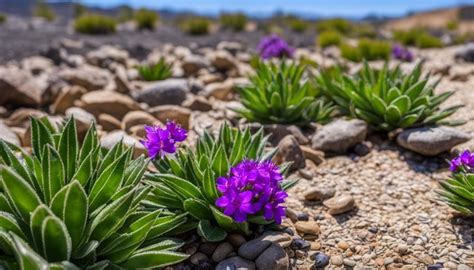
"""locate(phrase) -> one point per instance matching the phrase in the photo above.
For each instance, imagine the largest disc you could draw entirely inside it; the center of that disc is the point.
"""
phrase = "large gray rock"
(340, 135)
(235, 263)
(170, 91)
(431, 141)
(279, 131)
(251, 249)
(466, 53)
(273, 258)
(19, 87)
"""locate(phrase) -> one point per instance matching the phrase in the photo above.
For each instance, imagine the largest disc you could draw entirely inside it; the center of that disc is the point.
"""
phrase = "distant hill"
(436, 19)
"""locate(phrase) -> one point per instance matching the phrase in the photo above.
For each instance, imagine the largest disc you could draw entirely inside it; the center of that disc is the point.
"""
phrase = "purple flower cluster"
(274, 46)
(401, 53)
(161, 140)
(252, 187)
(464, 160)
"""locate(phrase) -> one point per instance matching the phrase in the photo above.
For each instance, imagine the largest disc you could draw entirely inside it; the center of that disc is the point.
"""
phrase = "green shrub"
(298, 25)
(155, 72)
(94, 24)
(341, 25)
(386, 99)
(368, 49)
(364, 30)
(417, 37)
(3, 18)
(196, 26)
(187, 182)
(236, 22)
(452, 25)
(44, 11)
(277, 94)
(329, 38)
(79, 207)
(145, 19)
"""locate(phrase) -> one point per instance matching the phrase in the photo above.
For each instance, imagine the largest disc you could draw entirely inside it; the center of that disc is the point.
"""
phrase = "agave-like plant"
(387, 99)
(156, 72)
(187, 180)
(78, 207)
(278, 94)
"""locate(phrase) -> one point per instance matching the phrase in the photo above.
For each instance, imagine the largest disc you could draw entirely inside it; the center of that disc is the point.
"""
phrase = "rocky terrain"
(364, 201)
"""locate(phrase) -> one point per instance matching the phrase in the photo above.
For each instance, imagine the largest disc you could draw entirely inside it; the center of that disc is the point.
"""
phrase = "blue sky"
(319, 7)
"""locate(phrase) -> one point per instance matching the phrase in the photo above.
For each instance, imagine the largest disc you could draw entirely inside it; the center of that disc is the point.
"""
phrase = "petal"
(240, 216)
(222, 202)
(245, 196)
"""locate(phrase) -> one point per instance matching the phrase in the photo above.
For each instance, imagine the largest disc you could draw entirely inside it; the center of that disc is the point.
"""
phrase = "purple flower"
(252, 187)
(464, 161)
(274, 46)
(401, 53)
(162, 140)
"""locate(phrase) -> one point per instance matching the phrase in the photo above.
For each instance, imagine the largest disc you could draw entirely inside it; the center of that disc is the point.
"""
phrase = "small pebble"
(349, 262)
(302, 216)
(435, 266)
(321, 260)
(300, 244)
(373, 229)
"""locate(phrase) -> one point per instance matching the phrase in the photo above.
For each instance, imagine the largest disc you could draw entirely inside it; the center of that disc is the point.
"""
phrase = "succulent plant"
(277, 94)
(94, 24)
(71, 207)
(189, 181)
(387, 99)
(458, 190)
(155, 72)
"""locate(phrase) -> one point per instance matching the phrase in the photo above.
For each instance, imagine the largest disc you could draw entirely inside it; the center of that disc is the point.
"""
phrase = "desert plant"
(199, 181)
(196, 26)
(368, 49)
(145, 19)
(298, 25)
(94, 24)
(452, 25)
(44, 11)
(426, 40)
(155, 72)
(417, 37)
(234, 21)
(75, 207)
(387, 99)
(341, 25)
(458, 190)
(329, 38)
(276, 94)
(364, 30)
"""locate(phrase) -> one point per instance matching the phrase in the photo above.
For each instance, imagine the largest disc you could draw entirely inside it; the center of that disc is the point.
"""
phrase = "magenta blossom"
(274, 46)
(252, 187)
(401, 53)
(464, 161)
(162, 140)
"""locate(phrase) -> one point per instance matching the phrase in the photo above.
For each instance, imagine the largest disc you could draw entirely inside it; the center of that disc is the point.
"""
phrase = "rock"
(105, 55)
(319, 194)
(435, 266)
(222, 60)
(138, 131)
(279, 131)
(171, 112)
(219, 90)
(362, 149)
(211, 78)
(273, 258)
(21, 117)
(169, 91)
(461, 72)
(349, 262)
(402, 249)
(66, 98)
(289, 151)
(466, 53)
(321, 260)
(339, 135)
(198, 257)
(191, 64)
(108, 102)
(197, 103)
(236, 240)
(83, 119)
(463, 267)
(109, 140)
(222, 251)
(251, 249)
(236, 263)
(37, 64)
(343, 245)
(431, 141)
(121, 80)
(231, 46)
(340, 204)
(135, 118)
(314, 155)
(20, 88)
(307, 227)
(108, 122)
(9, 135)
(90, 77)
(300, 244)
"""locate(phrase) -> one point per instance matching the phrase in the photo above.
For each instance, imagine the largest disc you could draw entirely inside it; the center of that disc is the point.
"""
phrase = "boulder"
(253, 248)
(83, 119)
(21, 117)
(191, 64)
(273, 258)
(289, 150)
(105, 55)
(115, 104)
(135, 118)
(90, 77)
(66, 98)
(219, 90)
(171, 112)
(466, 53)
(431, 141)
(20, 88)
(339, 135)
(170, 91)
(222, 60)
(197, 103)
(108, 122)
